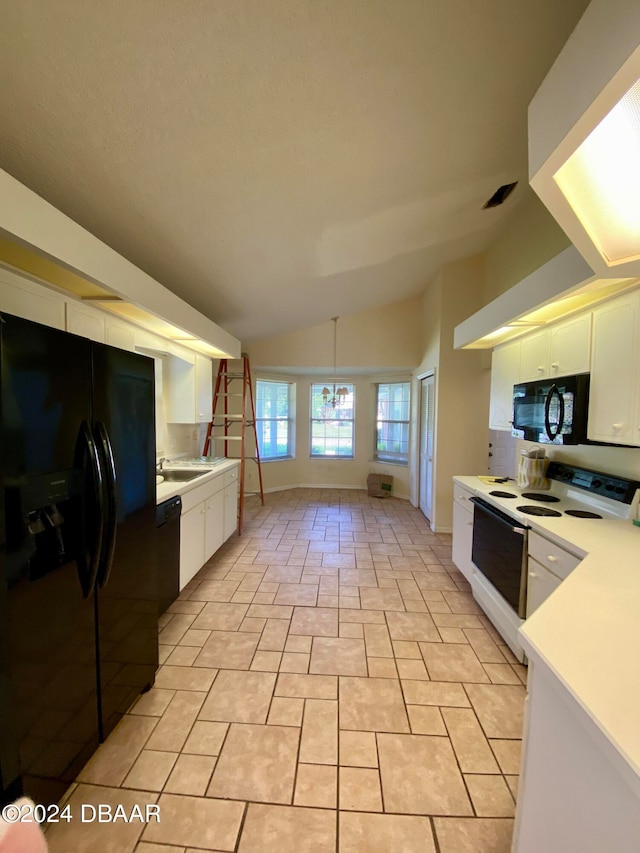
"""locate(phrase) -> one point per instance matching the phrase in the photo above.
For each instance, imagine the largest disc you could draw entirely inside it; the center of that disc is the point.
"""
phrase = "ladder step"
(228, 370)
(229, 417)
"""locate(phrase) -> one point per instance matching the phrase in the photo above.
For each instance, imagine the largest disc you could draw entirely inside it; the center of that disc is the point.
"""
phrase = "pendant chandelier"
(336, 396)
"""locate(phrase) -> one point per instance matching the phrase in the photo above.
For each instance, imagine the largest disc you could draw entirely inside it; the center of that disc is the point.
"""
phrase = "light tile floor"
(327, 683)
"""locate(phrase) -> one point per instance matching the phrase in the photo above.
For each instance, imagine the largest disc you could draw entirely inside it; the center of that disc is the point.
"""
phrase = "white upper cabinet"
(22, 298)
(534, 357)
(120, 335)
(505, 373)
(584, 138)
(86, 321)
(614, 397)
(204, 389)
(189, 391)
(570, 346)
(559, 350)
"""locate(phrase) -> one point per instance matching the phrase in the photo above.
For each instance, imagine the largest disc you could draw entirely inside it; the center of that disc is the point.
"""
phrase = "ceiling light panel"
(601, 182)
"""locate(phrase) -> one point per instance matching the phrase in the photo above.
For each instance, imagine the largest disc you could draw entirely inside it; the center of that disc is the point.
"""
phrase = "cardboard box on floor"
(379, 485)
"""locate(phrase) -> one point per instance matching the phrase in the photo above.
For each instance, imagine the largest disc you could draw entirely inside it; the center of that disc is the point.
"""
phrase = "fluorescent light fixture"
(601, 182)
(48, 273)
(158, 326)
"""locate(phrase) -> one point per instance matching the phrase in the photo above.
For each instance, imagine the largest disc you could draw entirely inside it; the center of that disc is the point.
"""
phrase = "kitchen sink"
(179, 476)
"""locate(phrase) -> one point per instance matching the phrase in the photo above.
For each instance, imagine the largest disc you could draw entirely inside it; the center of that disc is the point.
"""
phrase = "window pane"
(392, 424)
(332, 412)
(273, 418)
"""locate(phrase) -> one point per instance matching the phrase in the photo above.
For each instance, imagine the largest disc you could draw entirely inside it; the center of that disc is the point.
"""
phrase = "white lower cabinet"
(575, 794)
(191, 543)
(230, 510)
(462, 531)
(208, 519)
(548, 566)
(540, 584)
(214, 524)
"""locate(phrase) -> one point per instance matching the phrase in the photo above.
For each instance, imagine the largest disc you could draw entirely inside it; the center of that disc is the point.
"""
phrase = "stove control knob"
(609, 487)
(596, 484)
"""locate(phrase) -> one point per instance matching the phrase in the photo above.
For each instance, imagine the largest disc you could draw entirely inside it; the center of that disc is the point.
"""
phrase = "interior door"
(426, 444)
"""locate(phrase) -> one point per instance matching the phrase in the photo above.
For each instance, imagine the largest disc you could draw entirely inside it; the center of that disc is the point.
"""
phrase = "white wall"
(461, 384)
(389, 337)
(346, 473)
(374, 343)
(530, 238)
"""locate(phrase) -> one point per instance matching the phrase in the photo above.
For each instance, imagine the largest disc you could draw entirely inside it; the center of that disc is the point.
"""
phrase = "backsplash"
(621, 461)
(183, 439)
(502, 454)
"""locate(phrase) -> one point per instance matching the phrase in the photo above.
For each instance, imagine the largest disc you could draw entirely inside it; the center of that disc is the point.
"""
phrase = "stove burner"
(539, 510)
(581, 513)
(540, 496)
(503, 494)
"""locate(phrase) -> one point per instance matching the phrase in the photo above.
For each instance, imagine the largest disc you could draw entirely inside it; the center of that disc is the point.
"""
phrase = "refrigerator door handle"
(111, 506)
(88, 568)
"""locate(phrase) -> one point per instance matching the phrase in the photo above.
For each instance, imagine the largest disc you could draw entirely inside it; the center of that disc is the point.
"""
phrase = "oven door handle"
(485, 507)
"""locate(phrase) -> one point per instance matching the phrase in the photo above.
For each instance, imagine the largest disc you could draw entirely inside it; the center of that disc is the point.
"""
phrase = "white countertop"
(165, 490)
(588, 631)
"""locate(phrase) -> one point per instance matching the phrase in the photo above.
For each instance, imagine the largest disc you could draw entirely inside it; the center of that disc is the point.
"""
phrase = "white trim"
(505, 619)
(34, 222)
(335, 487)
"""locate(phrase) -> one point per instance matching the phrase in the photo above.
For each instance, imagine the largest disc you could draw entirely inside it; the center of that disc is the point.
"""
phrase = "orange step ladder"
(227, 415)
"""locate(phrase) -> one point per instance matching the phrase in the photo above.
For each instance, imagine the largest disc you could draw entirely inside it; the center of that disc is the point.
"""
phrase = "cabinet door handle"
(616, 426)
(540, 368)
(552, 559)
(533, 575)
(554, 365)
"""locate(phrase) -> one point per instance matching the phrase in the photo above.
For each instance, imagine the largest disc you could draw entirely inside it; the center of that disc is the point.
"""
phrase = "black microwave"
(552, 411)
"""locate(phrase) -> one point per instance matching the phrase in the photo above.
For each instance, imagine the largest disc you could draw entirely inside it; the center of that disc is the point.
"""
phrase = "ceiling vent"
(500, 195)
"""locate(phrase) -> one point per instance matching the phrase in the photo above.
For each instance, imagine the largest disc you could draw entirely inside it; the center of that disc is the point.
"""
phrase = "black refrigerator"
(78, 585)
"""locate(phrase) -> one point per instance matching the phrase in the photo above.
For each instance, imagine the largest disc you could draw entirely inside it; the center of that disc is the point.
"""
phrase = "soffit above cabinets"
(584, 138)
(562, 286)
(41, 241)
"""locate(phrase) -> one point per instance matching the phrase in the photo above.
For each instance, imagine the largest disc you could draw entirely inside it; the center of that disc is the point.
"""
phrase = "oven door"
(499, 551)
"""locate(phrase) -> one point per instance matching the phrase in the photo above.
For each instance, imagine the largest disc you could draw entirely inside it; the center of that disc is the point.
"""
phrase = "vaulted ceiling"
(277, 162)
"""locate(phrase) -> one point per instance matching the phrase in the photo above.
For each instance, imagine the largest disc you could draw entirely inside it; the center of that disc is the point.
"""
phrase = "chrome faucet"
(160, 462)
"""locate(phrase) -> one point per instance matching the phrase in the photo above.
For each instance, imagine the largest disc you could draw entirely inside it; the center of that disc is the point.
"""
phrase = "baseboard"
(327, 486)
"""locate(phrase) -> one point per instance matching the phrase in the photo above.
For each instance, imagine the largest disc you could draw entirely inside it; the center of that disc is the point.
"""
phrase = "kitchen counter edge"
(587, 631)
(164, 491)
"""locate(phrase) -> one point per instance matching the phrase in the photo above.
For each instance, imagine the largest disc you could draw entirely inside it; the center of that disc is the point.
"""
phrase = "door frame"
(418, 439)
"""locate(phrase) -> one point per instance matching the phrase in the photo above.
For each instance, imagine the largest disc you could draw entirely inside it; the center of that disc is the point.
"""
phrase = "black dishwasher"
(168, 524)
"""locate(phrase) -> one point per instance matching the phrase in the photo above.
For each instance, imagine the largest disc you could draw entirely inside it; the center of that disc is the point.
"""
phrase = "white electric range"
(503, 517)
(574, 492)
